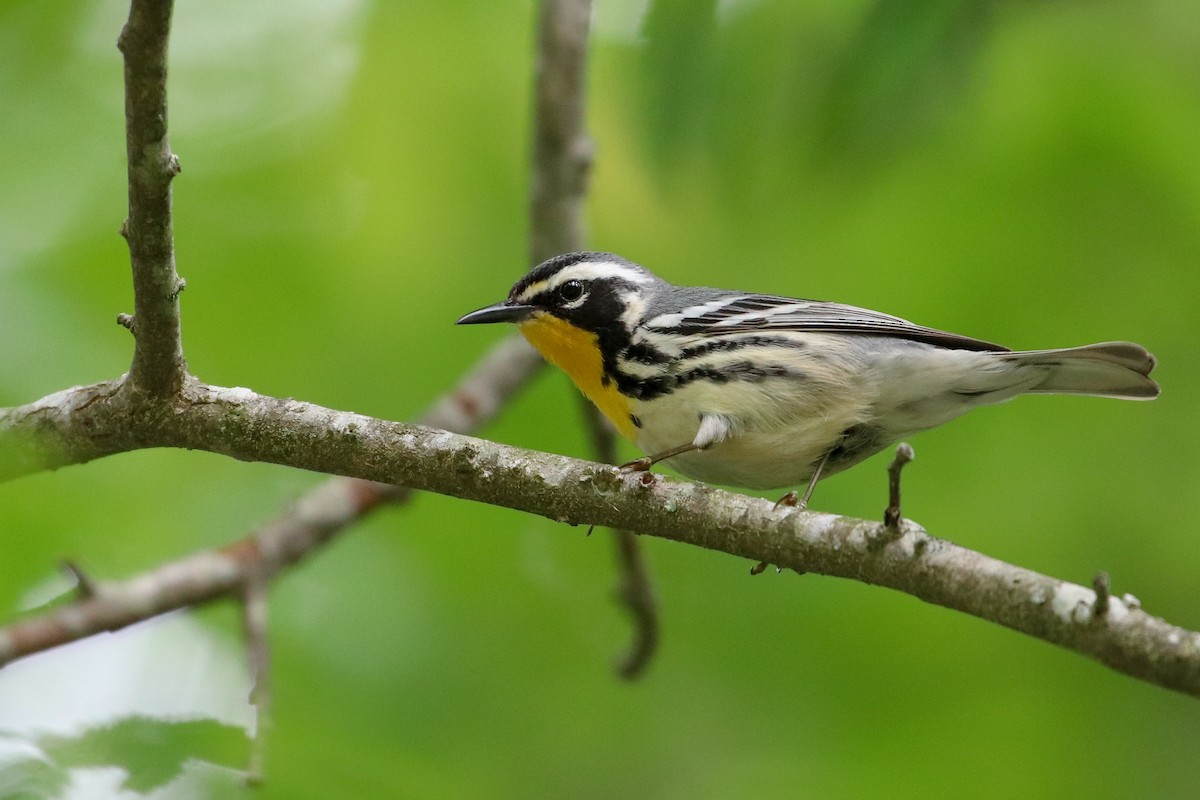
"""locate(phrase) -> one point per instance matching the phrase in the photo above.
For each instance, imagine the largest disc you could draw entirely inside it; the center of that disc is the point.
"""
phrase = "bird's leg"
(714, 429)
(891, 515)
(646, 462)
(789, 499)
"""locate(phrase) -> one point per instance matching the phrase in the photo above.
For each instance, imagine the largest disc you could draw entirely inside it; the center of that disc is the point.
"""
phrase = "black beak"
(500, 312)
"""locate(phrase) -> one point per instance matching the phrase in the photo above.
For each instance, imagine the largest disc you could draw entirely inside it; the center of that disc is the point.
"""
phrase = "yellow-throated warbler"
(761, 391)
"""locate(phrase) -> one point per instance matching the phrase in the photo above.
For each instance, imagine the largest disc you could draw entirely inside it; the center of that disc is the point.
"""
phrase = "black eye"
(570, 291)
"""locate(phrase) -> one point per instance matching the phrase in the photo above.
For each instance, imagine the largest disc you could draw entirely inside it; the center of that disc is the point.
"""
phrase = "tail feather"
(1108, 369)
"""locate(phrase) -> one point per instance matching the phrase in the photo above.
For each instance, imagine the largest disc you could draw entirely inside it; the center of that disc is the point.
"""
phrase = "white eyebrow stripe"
(533, 290)
(592, 270)
(586, 271)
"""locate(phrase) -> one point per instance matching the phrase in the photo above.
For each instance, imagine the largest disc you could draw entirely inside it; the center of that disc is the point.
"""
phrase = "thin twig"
(255, 612)
(158, 366)
(636, 593)
(1101, 586)
(562, 152)
(85, 587)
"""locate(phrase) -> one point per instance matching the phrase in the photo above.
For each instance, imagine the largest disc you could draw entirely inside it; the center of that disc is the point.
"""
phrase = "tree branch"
(562, 152)
(158, 366)
(61, 429)
(247, 426)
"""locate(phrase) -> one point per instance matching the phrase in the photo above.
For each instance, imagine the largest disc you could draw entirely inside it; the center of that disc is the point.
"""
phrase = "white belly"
(781, 430)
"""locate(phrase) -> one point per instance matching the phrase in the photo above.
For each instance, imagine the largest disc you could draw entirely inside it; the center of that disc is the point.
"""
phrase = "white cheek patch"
(635, 307)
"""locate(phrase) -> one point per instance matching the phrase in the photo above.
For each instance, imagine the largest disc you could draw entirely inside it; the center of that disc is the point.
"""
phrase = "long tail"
(1108, 369)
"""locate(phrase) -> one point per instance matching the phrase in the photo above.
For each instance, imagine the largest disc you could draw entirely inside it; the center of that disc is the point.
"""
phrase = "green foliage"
(150, 751)
(355, 177)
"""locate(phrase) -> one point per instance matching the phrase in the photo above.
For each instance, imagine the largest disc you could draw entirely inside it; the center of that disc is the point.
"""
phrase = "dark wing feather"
(770, 313)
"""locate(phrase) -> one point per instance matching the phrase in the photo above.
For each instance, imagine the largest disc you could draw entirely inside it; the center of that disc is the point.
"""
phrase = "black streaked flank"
(645, 353)
(659, 385)
(726, 345)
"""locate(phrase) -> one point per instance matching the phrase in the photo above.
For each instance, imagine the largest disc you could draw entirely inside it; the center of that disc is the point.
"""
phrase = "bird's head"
(594, 292)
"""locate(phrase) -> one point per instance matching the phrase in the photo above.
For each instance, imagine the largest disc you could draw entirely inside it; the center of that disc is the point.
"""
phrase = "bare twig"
(254, 617)
(1100, 585)
(158, 365)
(562, 152)
(637, 595)
(85, 587)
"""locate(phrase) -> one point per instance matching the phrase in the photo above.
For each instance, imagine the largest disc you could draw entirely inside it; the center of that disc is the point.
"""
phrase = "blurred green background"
(355, 178)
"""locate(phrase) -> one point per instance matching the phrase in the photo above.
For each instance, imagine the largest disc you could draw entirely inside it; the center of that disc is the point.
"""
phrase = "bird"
(763, 391)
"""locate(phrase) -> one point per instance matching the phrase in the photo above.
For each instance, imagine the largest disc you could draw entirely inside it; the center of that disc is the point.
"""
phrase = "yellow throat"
(577, 353)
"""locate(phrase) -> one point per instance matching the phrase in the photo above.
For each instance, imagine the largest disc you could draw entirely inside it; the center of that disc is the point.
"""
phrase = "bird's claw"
(638, 464)
(792, 500)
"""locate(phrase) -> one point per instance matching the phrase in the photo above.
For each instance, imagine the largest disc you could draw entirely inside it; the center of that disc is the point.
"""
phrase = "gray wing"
(766, 313)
